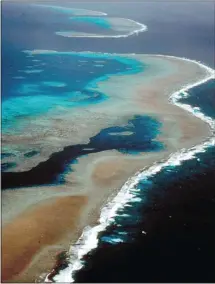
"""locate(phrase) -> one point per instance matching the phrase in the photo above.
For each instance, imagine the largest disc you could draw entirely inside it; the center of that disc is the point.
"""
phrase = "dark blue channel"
(144, 130)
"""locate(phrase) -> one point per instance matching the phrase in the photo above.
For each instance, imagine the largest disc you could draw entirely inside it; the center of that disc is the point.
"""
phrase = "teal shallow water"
(99, 21)
(66, 81)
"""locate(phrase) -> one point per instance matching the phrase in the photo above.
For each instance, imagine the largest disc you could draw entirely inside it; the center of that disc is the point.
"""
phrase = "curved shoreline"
(92, 13)
(88, 239)
(143, 28)
(132, 66)
(49, 219)
(72, 184)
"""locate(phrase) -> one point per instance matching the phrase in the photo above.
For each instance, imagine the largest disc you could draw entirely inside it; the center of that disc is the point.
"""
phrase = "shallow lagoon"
(143, 129)
(137, 47)
(97, 25)
(66, 81)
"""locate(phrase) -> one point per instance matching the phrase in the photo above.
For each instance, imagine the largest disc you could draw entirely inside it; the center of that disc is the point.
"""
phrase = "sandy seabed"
(42, 221)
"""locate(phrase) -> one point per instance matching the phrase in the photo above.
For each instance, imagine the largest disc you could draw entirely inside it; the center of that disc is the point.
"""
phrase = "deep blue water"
(177, 213)
(174, 28)
(175, 207)
(130, 218)
(63, 81)
(35, 84)
(8, 165)
(144, 129)
(203, 96)
(72, 22)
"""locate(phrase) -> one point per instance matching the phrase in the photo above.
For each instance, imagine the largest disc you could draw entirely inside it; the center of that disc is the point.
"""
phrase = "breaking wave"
(90, 236)
(141, 28)
(86, 14)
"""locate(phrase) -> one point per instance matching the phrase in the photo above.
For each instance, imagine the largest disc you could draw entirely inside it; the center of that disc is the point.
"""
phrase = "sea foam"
(141, 28)
(81, 13)
(89, 238)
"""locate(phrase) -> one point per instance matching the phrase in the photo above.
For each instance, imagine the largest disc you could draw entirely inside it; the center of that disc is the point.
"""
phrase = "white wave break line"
(97, 15)
(89, 238)
(142, 28)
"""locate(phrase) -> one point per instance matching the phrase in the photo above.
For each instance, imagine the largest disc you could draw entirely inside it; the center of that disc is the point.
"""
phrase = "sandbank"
(119, 27)
(98, 176)
(40, 226)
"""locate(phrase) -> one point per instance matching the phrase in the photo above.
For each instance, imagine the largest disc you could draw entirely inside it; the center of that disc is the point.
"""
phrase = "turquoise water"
(100, 21)
(65, 81)
(87, 23)
(66, 10)
(31, 154)
(143, 129)
(7, 165)
(45, 89)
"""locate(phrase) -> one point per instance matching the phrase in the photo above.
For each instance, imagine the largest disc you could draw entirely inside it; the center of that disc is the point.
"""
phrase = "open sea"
(165, 232)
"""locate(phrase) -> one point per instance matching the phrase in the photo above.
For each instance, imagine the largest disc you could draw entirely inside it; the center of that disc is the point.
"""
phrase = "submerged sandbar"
(143, 93)
(112, 28)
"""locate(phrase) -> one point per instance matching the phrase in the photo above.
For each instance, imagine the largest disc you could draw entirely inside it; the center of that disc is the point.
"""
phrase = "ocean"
(175, 212)
(166, 231)
(160, 226)
(57, 165)
(189, 35)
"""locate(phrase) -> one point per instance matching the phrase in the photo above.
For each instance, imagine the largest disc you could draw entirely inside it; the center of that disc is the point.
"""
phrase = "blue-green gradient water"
(167, 232)
(33, 88)
(99, 21)
(35, 85)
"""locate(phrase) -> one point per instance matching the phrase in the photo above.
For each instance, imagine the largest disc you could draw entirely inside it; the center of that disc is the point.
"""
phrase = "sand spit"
(120, 28)
(98, 176)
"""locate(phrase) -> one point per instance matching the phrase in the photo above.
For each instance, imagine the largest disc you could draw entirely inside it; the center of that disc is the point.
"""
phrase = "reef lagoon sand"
(110, 26)
(54, 216)
(40, 226)
(118, 27)
(128, 95)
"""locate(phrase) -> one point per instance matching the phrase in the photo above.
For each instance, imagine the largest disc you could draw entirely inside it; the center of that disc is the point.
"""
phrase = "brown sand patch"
(112, 172)
(36, 228)
(24, 242)
(180, 128)
(106, 172)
